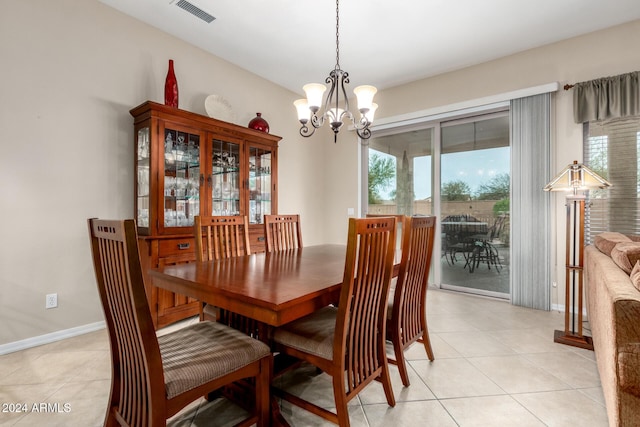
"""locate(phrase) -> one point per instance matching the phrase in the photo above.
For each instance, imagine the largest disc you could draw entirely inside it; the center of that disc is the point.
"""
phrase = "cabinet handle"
(183, 246)
(201, 180)
(261, 239)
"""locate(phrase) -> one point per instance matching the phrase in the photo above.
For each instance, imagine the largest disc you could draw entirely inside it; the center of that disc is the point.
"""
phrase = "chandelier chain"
(337, 34)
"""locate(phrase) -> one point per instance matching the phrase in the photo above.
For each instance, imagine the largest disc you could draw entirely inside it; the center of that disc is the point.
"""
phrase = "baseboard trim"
(560, 308)
(52, 337)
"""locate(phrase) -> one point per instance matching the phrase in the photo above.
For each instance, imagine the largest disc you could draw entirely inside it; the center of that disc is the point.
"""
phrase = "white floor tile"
(495, 411)
(495, 365)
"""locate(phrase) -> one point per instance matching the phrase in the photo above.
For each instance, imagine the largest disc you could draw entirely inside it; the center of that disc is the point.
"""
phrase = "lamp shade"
(372, 111)
(365, 94)
(314, 93)
(303, 110)
(575, 177)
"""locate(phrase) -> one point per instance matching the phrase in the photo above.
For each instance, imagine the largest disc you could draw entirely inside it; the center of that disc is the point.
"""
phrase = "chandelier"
(309, 109)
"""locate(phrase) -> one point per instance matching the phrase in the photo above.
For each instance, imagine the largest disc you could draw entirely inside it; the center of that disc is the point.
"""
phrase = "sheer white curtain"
(530, 217)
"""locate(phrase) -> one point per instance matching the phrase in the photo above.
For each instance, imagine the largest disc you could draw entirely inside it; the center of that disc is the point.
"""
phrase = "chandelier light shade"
(335, 108)
(575, 177)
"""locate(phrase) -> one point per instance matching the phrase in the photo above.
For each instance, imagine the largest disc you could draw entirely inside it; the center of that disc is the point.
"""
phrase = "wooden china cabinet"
(187, 165)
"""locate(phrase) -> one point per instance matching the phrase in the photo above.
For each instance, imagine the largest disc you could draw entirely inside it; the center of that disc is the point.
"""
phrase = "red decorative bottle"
(171, 87)
(258, 123)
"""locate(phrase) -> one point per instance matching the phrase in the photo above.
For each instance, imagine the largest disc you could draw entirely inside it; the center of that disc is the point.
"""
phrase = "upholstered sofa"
(612, 282)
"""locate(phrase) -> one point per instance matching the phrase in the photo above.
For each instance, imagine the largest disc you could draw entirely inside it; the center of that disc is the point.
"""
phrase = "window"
(611, 149)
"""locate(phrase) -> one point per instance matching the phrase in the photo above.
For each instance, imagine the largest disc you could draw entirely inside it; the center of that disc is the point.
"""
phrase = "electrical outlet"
(52, 301)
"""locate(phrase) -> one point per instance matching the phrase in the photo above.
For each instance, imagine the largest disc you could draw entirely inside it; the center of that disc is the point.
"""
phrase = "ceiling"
(382, 42)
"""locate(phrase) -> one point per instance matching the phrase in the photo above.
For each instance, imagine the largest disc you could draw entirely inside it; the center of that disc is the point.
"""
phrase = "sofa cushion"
(635, 275)
(629, 368)
(607, 240)
(625, 255)
(634, 237)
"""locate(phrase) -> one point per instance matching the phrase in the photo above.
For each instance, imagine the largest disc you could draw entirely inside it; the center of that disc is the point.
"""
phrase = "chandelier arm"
(345, 80)
(317, 121)
(364, 133)
(306, 131)
(332, 79)
(362, 123)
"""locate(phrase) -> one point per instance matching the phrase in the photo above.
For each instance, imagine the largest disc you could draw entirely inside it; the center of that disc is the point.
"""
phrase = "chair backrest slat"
(137, 367)
(363, 299)
(282, 232)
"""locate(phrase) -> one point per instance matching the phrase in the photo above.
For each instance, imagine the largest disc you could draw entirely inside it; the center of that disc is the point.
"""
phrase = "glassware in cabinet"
(142, 177)
(260, 184)
(181, 183)
(225, 178)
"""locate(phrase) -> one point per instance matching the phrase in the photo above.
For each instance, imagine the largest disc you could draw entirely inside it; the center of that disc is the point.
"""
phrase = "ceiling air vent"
(195, 11)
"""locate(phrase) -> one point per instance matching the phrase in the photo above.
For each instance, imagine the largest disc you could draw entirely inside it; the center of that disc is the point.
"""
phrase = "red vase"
(258, 123)
(171, 87)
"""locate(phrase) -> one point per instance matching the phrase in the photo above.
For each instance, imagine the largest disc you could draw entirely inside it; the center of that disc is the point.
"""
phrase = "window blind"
(611, 150)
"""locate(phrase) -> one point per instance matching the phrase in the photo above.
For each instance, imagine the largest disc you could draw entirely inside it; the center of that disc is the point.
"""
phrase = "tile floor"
(496, 365)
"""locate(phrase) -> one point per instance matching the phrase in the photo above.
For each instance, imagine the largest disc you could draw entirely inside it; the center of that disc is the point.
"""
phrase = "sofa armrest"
(629, 368)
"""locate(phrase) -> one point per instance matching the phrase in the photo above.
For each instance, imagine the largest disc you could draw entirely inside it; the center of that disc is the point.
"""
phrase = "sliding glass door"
(474, 192)
(459, 171)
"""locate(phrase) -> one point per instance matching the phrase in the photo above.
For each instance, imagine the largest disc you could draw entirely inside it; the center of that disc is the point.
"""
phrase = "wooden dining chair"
(348, 342)
(154, 377)
(219, 237)
(407, 315)
(400, 220)
(283, 232)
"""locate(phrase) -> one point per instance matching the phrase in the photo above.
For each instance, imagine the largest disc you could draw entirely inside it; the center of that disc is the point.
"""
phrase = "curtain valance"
(607, 98)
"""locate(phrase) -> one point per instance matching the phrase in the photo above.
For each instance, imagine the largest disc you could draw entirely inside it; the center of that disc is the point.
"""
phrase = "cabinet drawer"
(176, 246)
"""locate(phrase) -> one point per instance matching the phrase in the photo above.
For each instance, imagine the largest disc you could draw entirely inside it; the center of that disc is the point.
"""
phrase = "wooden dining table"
(273, 288)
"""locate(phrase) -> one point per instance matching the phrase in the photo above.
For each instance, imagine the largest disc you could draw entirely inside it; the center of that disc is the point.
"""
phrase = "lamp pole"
(572, 334)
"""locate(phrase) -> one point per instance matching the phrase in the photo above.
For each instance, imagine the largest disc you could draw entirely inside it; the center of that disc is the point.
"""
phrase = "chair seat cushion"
(312, 334)
(203, 352)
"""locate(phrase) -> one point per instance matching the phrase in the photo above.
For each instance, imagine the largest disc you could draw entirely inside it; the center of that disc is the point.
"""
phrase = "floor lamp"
(575, 179)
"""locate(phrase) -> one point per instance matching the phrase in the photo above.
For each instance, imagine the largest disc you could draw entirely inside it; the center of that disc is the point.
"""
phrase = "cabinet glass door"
(181, 178)
(260, 187)
(142, 178)
(225, 178)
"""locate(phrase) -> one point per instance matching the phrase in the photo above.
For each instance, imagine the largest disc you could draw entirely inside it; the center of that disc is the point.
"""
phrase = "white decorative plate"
(219, 108)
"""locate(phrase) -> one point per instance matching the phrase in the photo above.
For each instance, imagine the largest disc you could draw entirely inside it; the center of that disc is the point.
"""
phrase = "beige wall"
(604, 53)
(72, 69)
(70, 72)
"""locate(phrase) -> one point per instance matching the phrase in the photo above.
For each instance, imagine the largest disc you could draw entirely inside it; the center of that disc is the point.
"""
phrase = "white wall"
(600, 54)
(71, 71)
